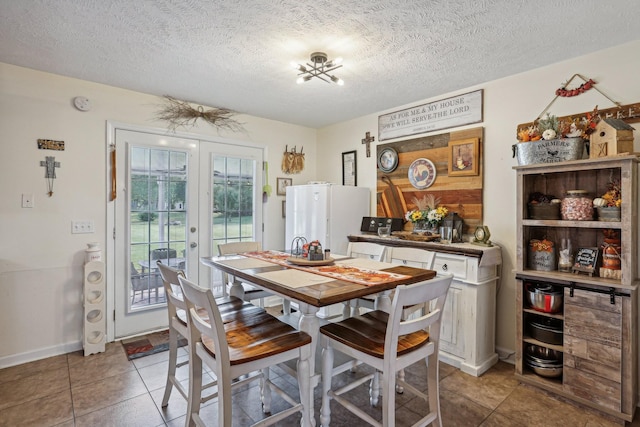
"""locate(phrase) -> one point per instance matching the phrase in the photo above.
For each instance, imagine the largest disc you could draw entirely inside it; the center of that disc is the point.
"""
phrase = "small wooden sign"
(586, 261)
(50, 144)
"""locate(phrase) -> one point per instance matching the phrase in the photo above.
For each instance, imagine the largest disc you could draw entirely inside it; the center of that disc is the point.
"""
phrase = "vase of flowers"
(427, 216)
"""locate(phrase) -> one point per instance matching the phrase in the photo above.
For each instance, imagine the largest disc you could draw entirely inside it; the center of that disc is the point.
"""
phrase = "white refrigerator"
(325, 212)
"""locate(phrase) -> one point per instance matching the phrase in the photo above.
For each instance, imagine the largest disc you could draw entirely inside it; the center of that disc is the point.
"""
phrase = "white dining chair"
(244, 349)
(388, 343)
(250, 293)
(366, 250)
(177, 311)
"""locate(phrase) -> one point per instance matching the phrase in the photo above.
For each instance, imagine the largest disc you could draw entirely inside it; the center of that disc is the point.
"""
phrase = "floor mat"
(148, 344)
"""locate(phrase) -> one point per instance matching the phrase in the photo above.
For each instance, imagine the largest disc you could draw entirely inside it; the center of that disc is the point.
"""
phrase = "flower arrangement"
(551, 127)
(612, 198)
(427, 211)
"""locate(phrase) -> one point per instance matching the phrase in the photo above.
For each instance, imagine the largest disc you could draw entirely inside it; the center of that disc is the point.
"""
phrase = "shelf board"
(566, 278)
(542, 343)
(542, 313)
(530, 377)
(571, 224)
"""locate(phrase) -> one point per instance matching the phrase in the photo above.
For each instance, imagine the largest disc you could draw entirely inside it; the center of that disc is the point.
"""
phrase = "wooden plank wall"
(461, 194)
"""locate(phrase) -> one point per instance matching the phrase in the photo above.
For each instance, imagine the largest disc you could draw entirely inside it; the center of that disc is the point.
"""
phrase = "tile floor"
(108, 390)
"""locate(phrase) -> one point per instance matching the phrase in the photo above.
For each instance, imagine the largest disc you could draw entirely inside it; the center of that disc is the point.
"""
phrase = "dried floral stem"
(181, 113)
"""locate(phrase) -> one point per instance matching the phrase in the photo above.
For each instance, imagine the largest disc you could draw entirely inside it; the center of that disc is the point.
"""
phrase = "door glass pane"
(157, 222)
(233, 209)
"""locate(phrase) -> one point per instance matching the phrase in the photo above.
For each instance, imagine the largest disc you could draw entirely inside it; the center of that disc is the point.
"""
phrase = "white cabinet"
(467, 338)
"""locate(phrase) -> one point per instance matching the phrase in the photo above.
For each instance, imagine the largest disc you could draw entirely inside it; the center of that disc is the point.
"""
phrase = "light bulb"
(337, 80)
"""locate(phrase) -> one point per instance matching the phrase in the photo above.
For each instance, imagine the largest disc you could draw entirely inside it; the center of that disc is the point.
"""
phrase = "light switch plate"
(27, 200)
(80, 227)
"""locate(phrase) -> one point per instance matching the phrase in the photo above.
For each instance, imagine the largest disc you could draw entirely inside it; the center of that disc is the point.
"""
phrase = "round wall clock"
(422, 173)
(388, 160)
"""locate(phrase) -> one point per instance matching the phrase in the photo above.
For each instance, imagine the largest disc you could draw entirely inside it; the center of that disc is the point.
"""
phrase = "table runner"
(340, 270)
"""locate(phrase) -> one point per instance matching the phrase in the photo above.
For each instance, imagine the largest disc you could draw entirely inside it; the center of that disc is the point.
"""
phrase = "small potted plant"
(608, 205)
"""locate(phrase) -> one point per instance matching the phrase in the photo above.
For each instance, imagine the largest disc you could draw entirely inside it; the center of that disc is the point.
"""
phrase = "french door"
(176, 199)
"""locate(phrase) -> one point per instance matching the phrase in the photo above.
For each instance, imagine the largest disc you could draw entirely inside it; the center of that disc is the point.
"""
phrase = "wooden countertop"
(492, 254)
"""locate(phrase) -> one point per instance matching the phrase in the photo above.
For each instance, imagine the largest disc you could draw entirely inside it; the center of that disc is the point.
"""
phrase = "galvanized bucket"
(551, 151)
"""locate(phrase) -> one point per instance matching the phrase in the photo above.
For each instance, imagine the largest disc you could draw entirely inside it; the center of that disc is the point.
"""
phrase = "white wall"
(40, 260)
(507, 103)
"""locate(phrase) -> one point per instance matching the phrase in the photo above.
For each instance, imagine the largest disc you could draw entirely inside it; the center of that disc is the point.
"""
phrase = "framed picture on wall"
(282, 184)
(349, 168)
(464, 157)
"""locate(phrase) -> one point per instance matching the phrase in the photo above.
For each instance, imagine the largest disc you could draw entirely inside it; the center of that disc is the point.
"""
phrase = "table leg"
(309, 323)
(236, 290)
(383, 301)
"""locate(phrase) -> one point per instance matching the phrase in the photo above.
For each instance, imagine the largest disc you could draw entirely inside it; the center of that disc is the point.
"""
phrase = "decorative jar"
(577, 206)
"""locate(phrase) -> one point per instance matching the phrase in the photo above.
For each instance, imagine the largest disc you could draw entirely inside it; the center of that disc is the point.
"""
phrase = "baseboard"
(506, 355)
(41, 353)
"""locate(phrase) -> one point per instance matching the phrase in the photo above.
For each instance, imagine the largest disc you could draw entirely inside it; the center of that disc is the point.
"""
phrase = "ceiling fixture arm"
(320, 68)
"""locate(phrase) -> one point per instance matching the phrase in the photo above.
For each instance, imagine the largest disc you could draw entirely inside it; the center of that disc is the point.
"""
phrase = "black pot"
(547, 330)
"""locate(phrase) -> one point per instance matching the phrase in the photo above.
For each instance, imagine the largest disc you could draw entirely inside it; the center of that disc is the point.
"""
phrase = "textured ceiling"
(237, 54)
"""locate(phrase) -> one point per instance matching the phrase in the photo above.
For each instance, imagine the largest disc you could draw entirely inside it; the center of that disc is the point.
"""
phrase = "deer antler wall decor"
(292, 161)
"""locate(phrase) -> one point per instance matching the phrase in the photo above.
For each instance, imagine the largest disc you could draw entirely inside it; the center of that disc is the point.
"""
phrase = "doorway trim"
(111, 127)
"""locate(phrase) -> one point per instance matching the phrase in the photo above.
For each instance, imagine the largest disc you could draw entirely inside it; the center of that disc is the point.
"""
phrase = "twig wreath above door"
(182, 114)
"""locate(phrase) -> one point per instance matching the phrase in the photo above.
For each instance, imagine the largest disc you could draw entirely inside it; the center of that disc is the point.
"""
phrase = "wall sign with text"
(443, 114)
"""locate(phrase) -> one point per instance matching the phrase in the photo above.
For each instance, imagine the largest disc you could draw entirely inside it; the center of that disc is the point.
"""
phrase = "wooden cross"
(368, 140)
(50, 166)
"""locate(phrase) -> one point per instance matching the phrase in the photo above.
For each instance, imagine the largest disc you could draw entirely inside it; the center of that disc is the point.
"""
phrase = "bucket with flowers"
(551, 140)
(608, 205)
(428, 215)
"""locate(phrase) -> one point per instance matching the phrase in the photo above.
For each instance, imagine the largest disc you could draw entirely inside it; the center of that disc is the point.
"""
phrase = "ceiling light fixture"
(319, 67)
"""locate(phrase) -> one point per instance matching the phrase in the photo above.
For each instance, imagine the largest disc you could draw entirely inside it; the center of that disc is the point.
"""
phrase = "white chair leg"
(374, 389)
(265, 391)
(388, 400)
(286, 306)
(195, 388)
(433, 388)
(399, 388)
(304, 385)
(173, 359)
(327, 374)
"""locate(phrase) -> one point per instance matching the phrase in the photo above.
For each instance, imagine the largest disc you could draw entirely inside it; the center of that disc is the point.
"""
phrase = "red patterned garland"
(573, 92)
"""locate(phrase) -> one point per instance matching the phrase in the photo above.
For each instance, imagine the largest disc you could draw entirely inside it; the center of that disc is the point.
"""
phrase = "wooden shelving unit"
(600, 315)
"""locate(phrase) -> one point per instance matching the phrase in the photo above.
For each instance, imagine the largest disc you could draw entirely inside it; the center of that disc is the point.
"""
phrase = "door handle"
(193, 245)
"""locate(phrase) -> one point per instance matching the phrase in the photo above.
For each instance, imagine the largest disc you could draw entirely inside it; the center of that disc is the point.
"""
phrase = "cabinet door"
(451, 331)
(593, 347)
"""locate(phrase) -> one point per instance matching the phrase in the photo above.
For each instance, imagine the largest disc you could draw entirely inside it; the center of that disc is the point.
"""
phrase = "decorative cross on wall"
(50, 166)
(368, 140)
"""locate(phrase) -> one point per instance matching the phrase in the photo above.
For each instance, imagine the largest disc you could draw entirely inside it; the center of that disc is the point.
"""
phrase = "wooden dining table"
(314, 286)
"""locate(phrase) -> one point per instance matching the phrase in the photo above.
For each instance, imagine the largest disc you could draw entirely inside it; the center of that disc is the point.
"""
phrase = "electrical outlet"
(27, 200)
(80, 227)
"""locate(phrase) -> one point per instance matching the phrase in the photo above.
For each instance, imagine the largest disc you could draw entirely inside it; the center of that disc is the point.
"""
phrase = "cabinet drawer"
(457, 265)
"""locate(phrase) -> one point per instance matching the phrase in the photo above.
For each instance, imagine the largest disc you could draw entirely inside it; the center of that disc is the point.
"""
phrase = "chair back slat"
(233, 248)
(171, 284)
(412, 257)
(366, 250)
(433, 290)
(212, 326)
